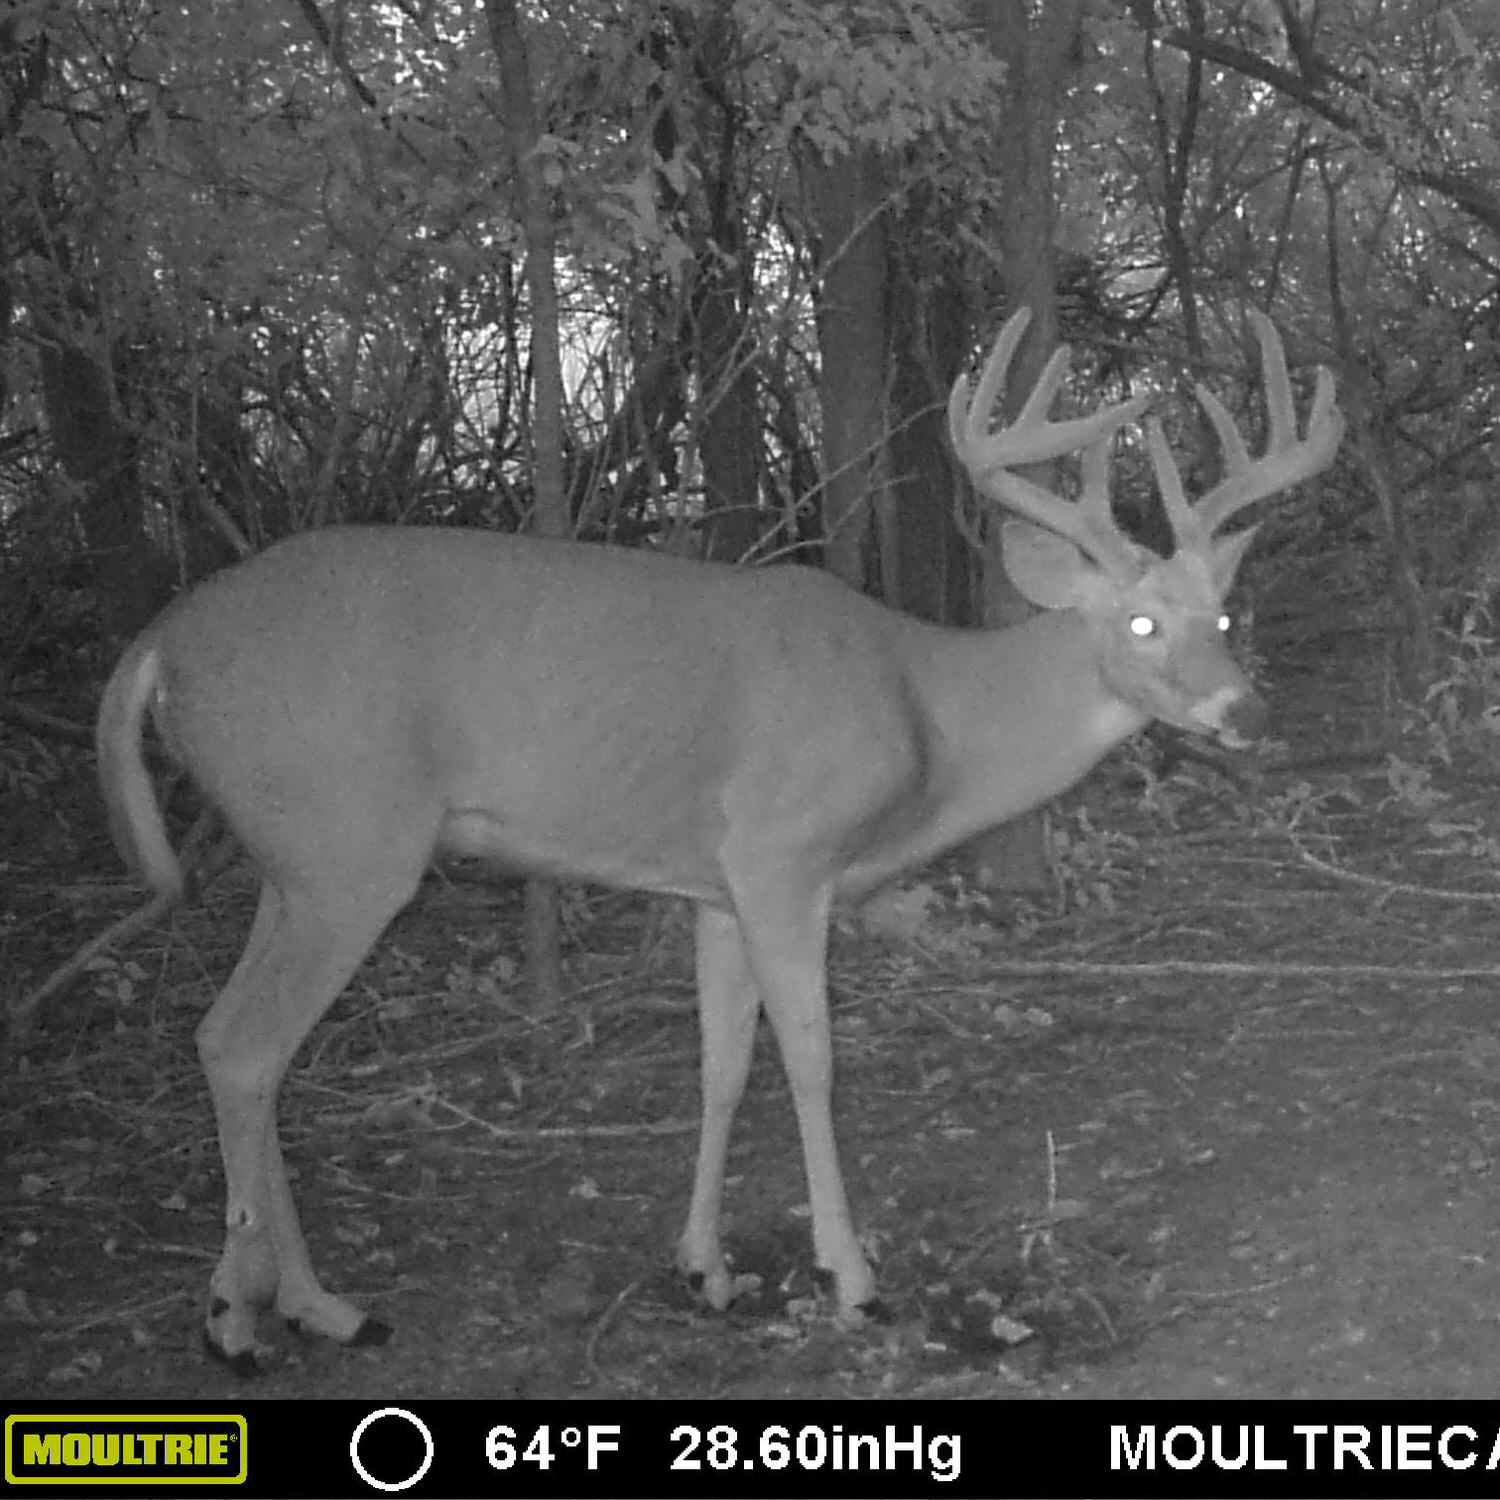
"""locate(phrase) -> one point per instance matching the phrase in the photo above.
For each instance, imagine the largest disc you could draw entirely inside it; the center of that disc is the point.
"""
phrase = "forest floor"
(1223, 1123)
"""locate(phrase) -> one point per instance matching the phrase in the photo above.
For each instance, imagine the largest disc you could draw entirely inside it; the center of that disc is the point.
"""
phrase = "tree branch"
(1480, 201)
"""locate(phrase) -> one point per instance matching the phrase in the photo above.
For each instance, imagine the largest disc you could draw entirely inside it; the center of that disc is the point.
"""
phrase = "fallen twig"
(1392, 887)
(201, 861)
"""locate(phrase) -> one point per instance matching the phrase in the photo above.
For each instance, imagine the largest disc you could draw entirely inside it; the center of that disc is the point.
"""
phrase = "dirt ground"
(1221, 1123)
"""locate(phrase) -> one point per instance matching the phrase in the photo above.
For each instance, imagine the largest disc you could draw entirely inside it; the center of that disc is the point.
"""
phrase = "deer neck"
(1017, 716)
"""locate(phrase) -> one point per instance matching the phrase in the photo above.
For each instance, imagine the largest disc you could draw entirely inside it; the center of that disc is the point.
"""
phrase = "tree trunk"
(1368, 426)
(730, 437)
(1038, 56)
(550, 509)
(847, 204)
(926, 562)
(100, 455)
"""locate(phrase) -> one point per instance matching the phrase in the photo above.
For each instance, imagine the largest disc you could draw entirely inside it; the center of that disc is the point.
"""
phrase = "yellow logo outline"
(91, 1474)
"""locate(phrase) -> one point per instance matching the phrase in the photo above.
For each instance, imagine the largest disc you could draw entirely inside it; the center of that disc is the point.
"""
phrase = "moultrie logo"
(150, 1449)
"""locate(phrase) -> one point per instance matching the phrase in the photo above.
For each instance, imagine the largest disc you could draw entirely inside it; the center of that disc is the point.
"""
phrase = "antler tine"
(1288, 458)
(989, 456)
(1186, 525)
(1093, 496)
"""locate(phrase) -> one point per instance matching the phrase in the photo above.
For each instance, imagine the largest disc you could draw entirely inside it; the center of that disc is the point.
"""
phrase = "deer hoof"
(248, 1364)
(370, 1334)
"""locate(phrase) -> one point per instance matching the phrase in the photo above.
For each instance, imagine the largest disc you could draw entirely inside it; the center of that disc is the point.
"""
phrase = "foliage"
(869, 73)
(1459, 715)
(1088, 859)
(284, 240)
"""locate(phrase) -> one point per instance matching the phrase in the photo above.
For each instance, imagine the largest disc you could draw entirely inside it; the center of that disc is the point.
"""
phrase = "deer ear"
(1227, 554)
(1047, 568)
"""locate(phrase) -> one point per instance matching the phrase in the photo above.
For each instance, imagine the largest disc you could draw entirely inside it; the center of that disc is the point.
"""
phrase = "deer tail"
(135, 817)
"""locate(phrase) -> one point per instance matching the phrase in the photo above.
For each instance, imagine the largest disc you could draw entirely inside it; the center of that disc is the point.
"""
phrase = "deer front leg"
(785, 934)
(728, 1010)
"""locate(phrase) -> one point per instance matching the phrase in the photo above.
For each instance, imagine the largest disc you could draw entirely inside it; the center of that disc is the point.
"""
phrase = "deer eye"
(1224, 624)
(1142, 626)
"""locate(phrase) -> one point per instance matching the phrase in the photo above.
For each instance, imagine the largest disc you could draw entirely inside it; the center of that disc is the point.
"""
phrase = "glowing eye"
(1224, 624)
(1142, 626)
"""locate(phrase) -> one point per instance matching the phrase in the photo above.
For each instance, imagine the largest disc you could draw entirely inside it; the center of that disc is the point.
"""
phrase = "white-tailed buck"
(356, 701)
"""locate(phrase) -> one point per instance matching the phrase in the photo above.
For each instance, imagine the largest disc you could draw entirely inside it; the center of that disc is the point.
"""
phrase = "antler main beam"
(990, 456)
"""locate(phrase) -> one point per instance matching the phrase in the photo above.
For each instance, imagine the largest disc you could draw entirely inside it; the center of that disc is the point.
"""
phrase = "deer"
(356, 701)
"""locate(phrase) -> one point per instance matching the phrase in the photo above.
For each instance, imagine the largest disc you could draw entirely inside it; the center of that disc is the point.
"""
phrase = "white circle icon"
(359, 1432)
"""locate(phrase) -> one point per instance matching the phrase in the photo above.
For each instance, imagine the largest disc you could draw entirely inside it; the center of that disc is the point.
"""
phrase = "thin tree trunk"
(925, 558)
(1038, 55)
(847, 197)
(550, 512)
(1174, 149)
(99, 453)
(1367, 428)
(730, 440)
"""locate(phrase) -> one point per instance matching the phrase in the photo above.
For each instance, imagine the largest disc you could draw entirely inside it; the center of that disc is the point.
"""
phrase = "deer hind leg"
(728, 1010)
(784, 929)
(303, 947)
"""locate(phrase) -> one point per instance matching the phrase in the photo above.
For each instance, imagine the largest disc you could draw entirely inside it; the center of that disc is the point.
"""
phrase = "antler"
(1089, 523)
(989, 456)
(1287, 460)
